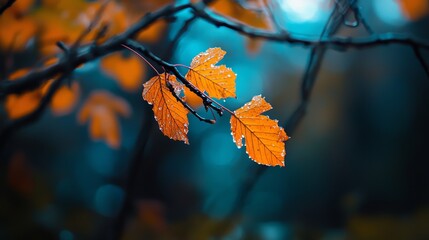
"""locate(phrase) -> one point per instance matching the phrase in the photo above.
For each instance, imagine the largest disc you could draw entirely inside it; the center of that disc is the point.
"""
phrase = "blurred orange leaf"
(153, 32)
(414, 9)
(152, 214)
(253, 45)
(101, 110)
(19, 105)
(264, 138)
(113, 15)
(170, 114)
(64, 99)
(20, 7)
(217, 81)
(129, 72)
(14, 32)
(251, 14)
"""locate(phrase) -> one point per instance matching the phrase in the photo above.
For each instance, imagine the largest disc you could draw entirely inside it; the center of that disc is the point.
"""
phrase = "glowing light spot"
(108, 200)
(301, 10)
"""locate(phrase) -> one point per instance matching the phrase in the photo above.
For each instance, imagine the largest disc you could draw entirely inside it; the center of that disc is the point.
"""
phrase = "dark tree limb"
(7, 5)
(119, 222)
(14, 125)
(420, 58)
(86, 53)
(174, 43)
(173, 69)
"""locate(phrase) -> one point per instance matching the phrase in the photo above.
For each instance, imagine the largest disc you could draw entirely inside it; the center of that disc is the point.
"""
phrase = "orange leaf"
(19, 105)
(250, 13)
(15, 33)
(127, 71)
(217, 81)
(170, 114)
(153, 32)
(113, 15)
(65, 99)
(21, 6)
(264, 138)
(101, 110)
(414, 9)
(192, 99)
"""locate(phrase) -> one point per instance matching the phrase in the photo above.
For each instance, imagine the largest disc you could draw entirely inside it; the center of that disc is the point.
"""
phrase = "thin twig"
(170, 87)
(425, 65)
(173, 69)
(174, 43)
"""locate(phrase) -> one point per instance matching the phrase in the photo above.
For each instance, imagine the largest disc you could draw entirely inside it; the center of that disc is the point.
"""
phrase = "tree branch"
(7, 5)
(86, 53)
(14, 125)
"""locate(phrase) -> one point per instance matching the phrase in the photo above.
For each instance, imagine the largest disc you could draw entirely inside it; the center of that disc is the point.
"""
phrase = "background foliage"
(95, 165)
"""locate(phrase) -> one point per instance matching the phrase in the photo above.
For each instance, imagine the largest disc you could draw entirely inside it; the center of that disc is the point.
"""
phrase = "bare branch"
(418, 53)
(173, 69)
(14, 125)
(85, 54)
(211, 121)
(7, 5)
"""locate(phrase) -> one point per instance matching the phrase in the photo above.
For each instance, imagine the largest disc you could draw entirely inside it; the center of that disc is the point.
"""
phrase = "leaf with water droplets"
(264, 138)
(170, 114)
(217, 81)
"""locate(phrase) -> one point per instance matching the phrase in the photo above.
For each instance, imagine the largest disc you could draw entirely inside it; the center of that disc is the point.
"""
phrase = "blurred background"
(356, 165)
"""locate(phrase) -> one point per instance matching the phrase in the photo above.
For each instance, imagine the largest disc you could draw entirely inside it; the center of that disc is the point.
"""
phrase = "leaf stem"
(138, 54)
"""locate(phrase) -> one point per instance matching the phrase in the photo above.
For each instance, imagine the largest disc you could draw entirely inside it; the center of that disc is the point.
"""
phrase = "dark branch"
(170, 87)
(173, 69)
(14, 125)
(418, 53)
(182, 30)
(85, 54)
(7, 5)
(334, 42)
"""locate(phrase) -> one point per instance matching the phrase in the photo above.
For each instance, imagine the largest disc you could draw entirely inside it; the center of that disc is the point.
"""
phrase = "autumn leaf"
(19, 105)
(250, 13)
(20, 7)
(192, 99)
(113, 15)
(217, 81)
(414, 9)
(64, 99)
(101, 110)
(170, 114)
(16, 32)
(264, 138)
(153, 33)
(127, 71)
